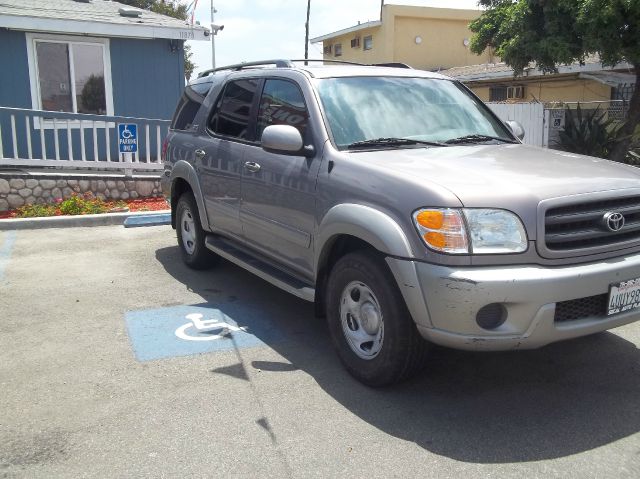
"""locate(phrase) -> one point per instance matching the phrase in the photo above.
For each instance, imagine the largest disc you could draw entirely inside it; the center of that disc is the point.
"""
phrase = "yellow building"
(422, 37)
(589, 82)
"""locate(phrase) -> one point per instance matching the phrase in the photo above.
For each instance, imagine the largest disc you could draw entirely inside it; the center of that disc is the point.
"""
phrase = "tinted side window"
(189, 105)
(282, 103)
(231, 113)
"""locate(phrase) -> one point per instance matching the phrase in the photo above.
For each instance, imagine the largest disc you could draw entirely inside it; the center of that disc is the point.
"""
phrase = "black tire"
(402, 351)
(191, 235)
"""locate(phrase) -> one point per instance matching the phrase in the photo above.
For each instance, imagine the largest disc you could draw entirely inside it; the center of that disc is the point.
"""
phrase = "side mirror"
(284, 140)
(516, 128)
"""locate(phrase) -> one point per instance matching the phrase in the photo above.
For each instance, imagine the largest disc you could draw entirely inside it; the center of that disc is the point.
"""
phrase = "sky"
(267, 29)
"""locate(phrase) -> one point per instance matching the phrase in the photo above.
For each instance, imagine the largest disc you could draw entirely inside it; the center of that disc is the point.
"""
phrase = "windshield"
(361, 109)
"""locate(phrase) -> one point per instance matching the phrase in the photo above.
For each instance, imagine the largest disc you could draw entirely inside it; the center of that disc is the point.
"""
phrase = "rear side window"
(189, 105)
(232, 112)
(282, 103)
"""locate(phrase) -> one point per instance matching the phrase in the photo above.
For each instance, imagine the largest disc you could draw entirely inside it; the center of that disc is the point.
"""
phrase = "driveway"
(98, 380)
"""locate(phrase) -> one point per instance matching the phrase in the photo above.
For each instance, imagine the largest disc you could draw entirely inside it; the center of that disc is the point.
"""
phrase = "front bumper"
(444, 301)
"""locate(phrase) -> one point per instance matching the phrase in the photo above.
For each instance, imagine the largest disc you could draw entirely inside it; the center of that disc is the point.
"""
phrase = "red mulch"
(140, 204)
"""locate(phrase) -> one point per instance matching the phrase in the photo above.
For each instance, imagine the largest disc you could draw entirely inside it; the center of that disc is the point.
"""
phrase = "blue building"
(89, 64)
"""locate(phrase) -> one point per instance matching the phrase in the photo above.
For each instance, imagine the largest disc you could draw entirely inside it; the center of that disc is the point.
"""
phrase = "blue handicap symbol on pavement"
(187, 330)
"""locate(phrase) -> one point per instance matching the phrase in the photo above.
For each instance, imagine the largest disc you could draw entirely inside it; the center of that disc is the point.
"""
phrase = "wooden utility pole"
(306, 35)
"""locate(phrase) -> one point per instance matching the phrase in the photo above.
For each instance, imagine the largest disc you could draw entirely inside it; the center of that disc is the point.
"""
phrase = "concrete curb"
(104, 219)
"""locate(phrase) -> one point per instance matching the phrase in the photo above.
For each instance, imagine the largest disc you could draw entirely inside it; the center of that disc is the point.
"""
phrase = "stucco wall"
(442, 30)
(570, 89)
(358, 54)
(442, 43)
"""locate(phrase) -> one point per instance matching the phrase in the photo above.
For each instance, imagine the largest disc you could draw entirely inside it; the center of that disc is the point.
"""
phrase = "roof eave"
(345, 31)
(536, 72)
(103, 29)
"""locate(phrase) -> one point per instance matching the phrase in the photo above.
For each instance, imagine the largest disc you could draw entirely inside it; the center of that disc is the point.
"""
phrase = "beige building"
(589, 82)
(422, 37)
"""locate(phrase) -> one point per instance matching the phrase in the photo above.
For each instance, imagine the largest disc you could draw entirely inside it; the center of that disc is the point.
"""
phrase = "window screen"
(282, 103)
(231, 114)
(497, 93)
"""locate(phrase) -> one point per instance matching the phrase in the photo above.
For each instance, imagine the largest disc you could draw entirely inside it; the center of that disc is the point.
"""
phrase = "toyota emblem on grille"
(613, 220)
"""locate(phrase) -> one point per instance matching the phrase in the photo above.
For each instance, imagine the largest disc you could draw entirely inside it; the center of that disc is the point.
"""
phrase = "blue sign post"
(127, 137)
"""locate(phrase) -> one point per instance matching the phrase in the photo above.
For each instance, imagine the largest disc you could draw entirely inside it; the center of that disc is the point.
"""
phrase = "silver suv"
(404, 208)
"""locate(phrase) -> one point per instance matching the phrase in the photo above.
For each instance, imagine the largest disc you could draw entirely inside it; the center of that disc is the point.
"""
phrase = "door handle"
(252, 166)
(200, 153)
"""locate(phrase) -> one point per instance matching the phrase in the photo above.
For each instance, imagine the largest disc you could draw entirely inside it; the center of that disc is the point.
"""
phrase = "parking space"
(118, 361)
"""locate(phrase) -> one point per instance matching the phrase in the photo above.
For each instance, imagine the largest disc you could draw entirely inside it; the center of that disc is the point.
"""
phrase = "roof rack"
(290, 64)
(240, 66)
(392, 65)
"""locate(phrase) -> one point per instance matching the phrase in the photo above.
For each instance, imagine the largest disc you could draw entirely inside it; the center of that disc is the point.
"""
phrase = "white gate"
(529, 115)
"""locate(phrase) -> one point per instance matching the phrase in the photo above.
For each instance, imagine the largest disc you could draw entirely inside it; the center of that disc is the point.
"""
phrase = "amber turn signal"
(432, 219)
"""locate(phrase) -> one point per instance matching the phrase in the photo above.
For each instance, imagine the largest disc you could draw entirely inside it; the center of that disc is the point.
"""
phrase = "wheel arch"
(184, 178)
(350, 227)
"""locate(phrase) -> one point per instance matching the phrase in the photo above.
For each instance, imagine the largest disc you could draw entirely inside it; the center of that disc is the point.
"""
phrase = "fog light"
(491, 316)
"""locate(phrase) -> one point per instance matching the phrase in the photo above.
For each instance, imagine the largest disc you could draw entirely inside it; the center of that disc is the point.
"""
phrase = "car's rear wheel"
(191, 236)
(370, 325)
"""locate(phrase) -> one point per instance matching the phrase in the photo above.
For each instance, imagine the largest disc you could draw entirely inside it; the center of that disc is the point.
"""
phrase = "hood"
(513, 177)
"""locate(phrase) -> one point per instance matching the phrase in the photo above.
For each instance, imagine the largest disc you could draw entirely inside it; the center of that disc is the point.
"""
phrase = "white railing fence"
(69, 140)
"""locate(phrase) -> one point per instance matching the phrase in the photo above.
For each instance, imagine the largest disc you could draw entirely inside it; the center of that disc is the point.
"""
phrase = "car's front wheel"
(370, 325)
(191, 236)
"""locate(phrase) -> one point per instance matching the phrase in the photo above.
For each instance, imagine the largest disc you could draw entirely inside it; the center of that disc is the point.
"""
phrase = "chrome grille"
(581, 308)
(582, 225)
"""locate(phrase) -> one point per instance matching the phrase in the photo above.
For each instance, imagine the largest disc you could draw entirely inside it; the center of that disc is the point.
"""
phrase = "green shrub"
(82, 205)
(590, 132)
(33, 211)
(587, 132)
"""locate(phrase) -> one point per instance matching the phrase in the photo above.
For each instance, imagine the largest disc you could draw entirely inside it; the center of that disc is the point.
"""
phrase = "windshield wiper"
(477, 139)
(392, 142)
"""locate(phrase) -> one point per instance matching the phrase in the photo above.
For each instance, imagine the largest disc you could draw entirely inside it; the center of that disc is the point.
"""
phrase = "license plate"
(624, 296)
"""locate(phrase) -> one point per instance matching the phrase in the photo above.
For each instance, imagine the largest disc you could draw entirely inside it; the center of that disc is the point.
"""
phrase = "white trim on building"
(54, 25)
(355, 28)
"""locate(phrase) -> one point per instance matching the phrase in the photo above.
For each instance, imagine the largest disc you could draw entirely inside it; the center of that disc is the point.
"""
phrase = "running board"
(260, 268)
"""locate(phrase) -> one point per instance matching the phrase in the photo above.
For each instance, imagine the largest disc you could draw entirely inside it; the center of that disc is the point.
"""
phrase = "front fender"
(384, 234)
(185, 170)
(366, 223)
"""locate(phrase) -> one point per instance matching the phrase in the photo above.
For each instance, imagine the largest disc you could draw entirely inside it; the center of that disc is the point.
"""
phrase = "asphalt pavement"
(118, 361)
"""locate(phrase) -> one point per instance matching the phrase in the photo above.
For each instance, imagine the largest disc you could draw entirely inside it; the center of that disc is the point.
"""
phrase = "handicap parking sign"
(127, 137)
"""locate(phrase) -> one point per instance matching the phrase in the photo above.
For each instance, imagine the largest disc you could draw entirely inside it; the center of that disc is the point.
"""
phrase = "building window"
(368, 42)
(70, 75)
(498, 93)
(355, 42)
(624, 91)
(337, 50)
(326, 50)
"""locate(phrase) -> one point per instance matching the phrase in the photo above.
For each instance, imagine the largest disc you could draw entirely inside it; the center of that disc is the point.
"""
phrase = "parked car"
(404, 208)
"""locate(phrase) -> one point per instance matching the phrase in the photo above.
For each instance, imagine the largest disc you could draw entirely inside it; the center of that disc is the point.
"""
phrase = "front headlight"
(495, 231)
(485, 231)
